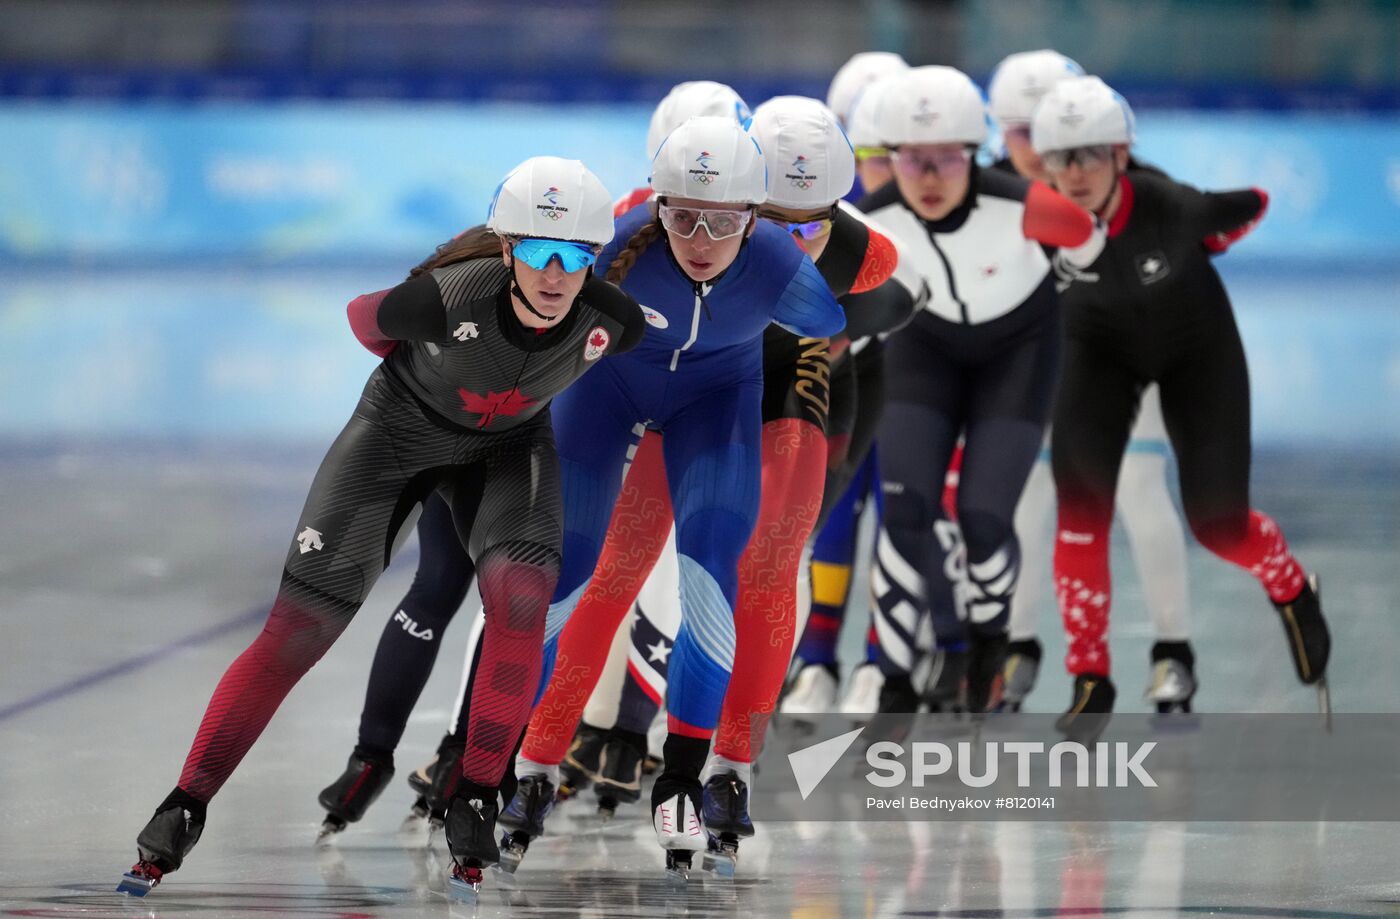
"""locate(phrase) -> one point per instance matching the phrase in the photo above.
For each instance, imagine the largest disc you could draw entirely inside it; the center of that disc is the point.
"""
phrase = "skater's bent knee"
(1220, 534)
(983, 532)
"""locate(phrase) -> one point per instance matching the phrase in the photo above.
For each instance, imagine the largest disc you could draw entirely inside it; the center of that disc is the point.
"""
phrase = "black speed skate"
(986, 657)
(1173, 677)
(725, 802)
(437, 782)
(421, 781)
(1019, 673)
(1308, 640)
(348, 797)
(164, 842)
(1089, 710)
(619, 776)
(898, 696)
(471, 840)
(945, 692)
(524, 818)
(581, 762)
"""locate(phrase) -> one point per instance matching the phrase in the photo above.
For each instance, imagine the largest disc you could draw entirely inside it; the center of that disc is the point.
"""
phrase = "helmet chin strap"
(1112, 188)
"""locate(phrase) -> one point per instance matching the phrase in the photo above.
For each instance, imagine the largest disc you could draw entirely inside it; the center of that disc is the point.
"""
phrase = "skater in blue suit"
(710, 277)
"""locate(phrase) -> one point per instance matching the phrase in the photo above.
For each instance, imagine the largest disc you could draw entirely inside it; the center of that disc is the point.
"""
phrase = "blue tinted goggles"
(537, 253)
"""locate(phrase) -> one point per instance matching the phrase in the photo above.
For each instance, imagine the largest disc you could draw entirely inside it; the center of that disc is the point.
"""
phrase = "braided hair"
(628, 255)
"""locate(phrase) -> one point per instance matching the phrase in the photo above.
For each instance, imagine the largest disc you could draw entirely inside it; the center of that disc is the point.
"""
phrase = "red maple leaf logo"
(598, 339)
(511, 402)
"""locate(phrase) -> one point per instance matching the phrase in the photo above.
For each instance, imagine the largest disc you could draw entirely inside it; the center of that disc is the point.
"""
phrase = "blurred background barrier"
(318, 181)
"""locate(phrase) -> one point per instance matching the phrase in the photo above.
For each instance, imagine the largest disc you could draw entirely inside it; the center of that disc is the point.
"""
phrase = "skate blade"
(437, 838)
(1324, 703)
(464, 884)
(721, 864)
(512, 854)
(678, 868)
(136, 885)
(330, 828)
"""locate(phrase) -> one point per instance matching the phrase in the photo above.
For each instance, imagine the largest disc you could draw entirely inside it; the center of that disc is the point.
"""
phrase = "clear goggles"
(1094, 157)
(719, 223)
(913, 162)
(538, 253)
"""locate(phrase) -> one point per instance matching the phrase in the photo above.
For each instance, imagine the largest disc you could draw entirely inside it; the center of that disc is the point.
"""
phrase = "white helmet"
(931, 105)
(686, 100)
(1082, 112)
(553, 198)
(1021, 79)
(809, 158)
(711, 158)
(860, 124)
(856, 74)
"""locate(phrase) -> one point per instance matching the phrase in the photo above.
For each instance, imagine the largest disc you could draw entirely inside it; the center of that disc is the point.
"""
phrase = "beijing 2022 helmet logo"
(704, 175)
(552, 208)
(923, 114)
(799, 178)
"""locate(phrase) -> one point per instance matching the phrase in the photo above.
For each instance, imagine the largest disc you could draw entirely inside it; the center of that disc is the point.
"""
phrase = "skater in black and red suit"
(1152, 309)
(474, 350)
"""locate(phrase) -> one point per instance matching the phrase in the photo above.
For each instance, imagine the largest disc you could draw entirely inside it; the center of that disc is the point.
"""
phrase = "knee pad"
(520, 577)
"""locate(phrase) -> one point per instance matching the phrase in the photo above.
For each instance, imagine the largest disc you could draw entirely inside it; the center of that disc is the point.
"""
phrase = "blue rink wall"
(182, 271)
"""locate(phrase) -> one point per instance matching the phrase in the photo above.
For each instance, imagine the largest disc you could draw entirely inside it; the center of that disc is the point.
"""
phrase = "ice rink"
(133, 569)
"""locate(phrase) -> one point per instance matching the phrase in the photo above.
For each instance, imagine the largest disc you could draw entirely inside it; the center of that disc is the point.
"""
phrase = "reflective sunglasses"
(720, 224)
(537, 253)
(912, 163)
(1095, 157)
(812, 229)
(815, 228)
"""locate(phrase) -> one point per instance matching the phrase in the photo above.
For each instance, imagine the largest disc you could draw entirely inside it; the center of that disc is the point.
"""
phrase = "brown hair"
(627, 257)
(476, 242)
